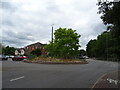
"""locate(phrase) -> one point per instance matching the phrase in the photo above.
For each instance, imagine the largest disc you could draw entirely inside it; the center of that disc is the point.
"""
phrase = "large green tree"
(110, 14)
(107, 45)
(65, 44)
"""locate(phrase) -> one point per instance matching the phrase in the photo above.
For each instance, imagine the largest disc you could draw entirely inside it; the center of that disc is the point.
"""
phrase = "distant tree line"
(8, 50)
(107, 45)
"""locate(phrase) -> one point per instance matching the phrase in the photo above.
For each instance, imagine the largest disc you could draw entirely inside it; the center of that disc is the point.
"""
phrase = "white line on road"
(16, 78)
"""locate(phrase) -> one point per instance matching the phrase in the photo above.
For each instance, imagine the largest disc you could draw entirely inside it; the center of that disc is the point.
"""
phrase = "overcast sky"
(28, 21)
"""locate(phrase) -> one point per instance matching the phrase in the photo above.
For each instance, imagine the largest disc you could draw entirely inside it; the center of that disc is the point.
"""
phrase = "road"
(27, 75)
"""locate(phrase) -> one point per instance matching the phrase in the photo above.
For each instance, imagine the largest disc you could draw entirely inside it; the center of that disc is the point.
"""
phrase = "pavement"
(17, 74)
(108, 80)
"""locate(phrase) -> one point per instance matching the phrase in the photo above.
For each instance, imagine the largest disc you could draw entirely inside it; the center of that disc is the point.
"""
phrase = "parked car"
(83, 57)
(11, 56)
(3, 57)
(24, 57)
(19, 58)
(86, 57)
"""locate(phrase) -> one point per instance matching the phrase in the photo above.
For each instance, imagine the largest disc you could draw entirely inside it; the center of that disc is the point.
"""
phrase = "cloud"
(7, 5)
(16, 39)
(29, 21)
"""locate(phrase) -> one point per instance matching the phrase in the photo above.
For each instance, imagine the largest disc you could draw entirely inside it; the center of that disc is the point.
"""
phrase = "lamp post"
(52, 33)
(52, 41)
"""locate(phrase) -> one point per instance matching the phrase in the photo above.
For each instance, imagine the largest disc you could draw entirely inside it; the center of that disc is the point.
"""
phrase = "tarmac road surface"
(17, 74)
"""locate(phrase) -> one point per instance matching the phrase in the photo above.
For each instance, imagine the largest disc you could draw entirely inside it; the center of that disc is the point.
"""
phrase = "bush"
(36, 52)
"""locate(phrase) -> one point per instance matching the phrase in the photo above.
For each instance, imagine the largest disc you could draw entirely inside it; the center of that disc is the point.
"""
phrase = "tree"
(82, 52)
(65, 44)
(107, 45)
(8, 50)
(36, 52)
(103, 47)
(91, 48)
(110, 15)
(1, 48)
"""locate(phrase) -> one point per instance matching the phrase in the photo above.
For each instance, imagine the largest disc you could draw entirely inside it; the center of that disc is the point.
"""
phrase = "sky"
(24, 22)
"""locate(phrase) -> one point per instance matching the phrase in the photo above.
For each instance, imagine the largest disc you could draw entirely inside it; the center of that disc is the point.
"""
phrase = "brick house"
(35, 46)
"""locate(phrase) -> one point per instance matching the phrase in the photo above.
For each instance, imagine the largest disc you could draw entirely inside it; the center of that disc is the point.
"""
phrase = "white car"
(2, 57)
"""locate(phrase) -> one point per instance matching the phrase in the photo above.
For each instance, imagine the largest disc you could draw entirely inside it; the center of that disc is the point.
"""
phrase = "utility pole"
(52, 41)
(52, 32)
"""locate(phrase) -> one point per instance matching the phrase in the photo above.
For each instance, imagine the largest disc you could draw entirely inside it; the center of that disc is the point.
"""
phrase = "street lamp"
(52, 41)
(52, 33)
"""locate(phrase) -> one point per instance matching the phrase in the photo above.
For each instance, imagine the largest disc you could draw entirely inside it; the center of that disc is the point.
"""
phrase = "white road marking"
(17, 78)
(113, 81)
